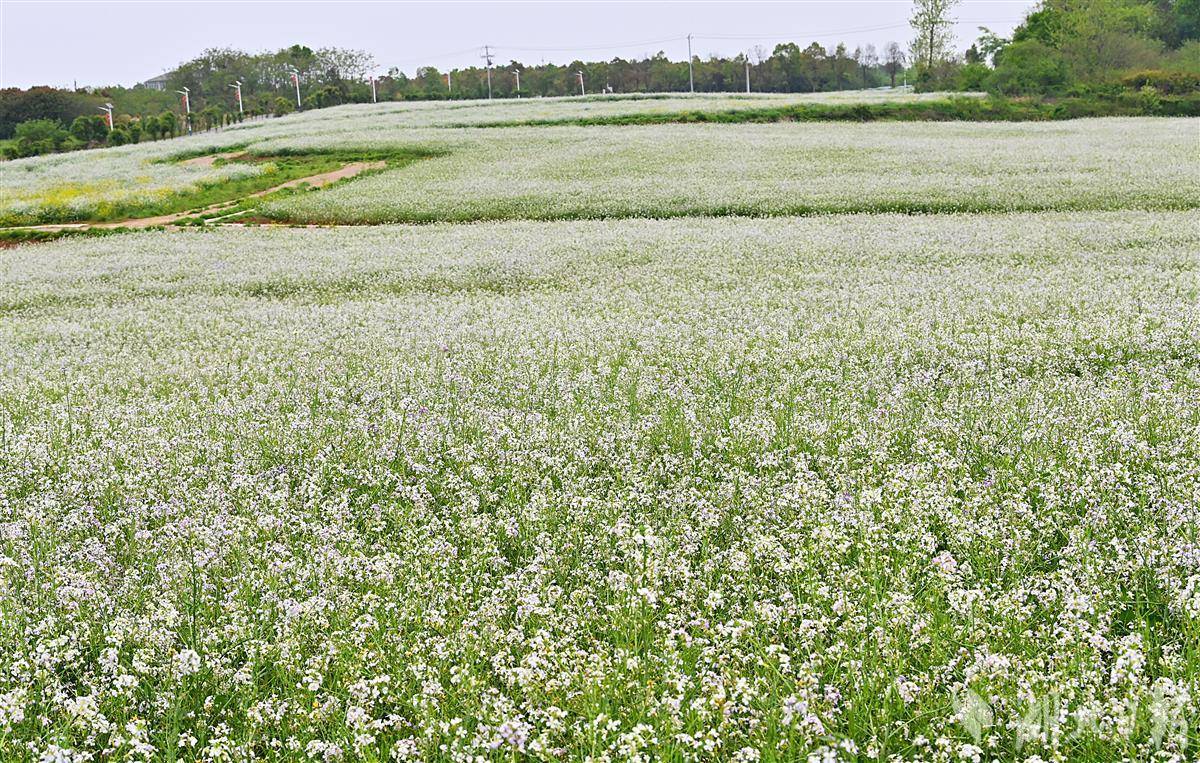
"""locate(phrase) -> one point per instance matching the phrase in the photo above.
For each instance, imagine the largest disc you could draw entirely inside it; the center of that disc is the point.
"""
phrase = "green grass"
(13, 237)
(283, 166)
(287, 166)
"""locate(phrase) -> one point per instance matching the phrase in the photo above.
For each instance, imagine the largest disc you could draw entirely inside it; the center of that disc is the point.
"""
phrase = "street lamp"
(107, 109)
(238, 87)
(373, 99)
(581, 90)
(296, 82)
(518, 73)
(187, 108)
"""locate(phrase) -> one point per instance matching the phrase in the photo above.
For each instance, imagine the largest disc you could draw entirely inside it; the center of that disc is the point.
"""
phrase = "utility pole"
(107, 109)
(373, 99)
(447, 82)
(237, 86)
(487, 56)
(518, 73)
(691, 76)
(747, 74)
(581, 90)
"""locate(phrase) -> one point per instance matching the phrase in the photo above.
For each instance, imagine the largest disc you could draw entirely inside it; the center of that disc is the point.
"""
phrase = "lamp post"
(237, 86)
(108, 110)
(187, 108)
(581, 89)
(518, 73)
(373, 98)
(296, 82)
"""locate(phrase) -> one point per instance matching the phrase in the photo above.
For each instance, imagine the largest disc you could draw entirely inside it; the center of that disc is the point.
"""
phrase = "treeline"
(45, 120)
(1080, 48)
(787, 68)
(33, 137)
(333, 76)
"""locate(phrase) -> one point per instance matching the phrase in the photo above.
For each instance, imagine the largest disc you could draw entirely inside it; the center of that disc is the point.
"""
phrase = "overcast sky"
(102, 42)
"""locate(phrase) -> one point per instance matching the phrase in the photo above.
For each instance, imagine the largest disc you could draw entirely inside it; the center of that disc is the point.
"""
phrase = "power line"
(614, 46)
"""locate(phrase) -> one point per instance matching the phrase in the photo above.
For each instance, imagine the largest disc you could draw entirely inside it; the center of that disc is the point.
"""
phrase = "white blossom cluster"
(764, 169)
(82, 184)
(864, 487)
(645, 171)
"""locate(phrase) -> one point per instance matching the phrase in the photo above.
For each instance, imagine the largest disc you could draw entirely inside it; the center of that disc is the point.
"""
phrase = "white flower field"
(660, 466)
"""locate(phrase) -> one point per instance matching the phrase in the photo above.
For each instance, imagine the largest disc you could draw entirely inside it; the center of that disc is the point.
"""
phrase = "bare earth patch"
(210, 159)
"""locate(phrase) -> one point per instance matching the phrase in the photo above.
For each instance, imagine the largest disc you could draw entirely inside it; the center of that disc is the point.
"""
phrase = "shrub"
(1165, 82)
(1029, 66)
(973, 76)
(39, 136)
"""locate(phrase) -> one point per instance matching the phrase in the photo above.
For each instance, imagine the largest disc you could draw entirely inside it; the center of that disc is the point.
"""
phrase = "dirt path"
(210, 159)
(312, 181)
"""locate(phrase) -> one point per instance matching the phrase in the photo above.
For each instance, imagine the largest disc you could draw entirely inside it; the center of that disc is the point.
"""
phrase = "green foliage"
(89, 129)
(1186, 58)
(1184, 21)
(168, 123)
(1043, 25)
(952, 109)
(139, 100)
(1068, 43)
(1171, 82)
(151, 126)
(38, 136)
(973, 77)
(42, 103)
(1028, 66)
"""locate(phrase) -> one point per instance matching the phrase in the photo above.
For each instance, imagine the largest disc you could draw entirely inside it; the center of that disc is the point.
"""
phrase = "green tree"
(893, 60)
(82, 128)
(168, 124)
(934, 28)
(151, 126)
(1184, 22)
(42, 103)
(39, 136)
(1029, 66)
